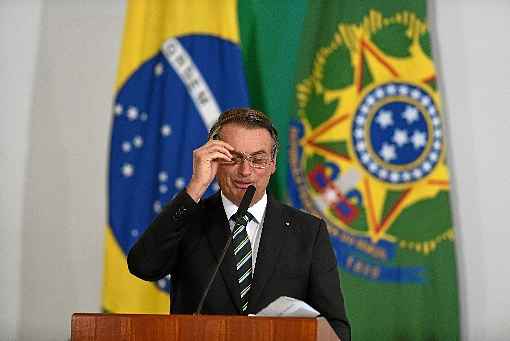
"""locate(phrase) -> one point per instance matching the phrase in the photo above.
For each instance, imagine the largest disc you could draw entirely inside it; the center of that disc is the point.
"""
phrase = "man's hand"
(205, 166)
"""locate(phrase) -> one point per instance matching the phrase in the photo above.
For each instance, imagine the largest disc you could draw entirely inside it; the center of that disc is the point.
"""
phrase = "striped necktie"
(242, 255)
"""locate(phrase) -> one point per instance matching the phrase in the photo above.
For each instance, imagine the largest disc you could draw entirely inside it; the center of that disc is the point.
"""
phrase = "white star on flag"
(360, 120)
(126, 147)
(383, 173)
(394, 177)
(158, 69)
(406, 176)
(403, 90)
(118, 109)
(385, 118)
(410, 114)
(138, 141)
(400, 137)
(180, 183)
(415, 94)
(163, 176)
(365, 157)
(391, 89)
(127, 170)
(417, 173)
(388, 152)
(132, 113)
(157, 206)
(419, 139)
(372, 167)
(166, 130)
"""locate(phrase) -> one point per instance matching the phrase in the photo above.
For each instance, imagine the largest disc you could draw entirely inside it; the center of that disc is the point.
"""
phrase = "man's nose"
(245, 168)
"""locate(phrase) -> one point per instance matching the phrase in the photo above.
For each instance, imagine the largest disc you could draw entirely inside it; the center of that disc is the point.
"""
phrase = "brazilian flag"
(180, 66)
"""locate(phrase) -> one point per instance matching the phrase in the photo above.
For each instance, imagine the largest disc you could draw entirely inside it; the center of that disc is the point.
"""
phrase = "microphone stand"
(220, 261)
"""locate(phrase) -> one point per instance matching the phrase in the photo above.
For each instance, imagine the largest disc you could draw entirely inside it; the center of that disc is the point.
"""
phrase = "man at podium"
(274, 250)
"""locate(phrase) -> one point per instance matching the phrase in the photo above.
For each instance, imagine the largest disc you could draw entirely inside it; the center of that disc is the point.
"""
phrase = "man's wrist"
(195, 191)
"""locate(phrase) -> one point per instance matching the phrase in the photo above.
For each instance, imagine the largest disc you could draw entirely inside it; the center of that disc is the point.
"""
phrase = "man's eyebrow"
(257, 153)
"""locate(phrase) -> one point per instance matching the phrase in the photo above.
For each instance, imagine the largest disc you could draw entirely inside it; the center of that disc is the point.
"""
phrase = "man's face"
(234, 179)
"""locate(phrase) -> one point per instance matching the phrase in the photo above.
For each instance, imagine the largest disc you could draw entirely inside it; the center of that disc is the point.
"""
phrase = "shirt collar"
(256, 210)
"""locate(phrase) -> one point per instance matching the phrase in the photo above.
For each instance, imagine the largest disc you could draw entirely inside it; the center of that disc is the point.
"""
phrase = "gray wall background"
(58, 62)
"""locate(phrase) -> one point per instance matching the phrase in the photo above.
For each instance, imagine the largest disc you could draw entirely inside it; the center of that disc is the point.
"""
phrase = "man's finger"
(214, 156)
(220, 143)
(216, 148)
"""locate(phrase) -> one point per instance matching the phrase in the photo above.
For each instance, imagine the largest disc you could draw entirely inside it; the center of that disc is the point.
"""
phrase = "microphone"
(245, 203)
(241, 211)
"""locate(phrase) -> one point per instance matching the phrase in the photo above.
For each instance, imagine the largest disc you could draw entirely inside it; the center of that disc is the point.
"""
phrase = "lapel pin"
(287, 224)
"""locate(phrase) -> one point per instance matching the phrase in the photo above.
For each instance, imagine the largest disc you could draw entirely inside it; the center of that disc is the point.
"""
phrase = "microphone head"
(248, 196)
(245, 201)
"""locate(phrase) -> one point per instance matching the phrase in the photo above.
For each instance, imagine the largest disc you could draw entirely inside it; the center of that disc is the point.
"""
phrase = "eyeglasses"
(255, 161)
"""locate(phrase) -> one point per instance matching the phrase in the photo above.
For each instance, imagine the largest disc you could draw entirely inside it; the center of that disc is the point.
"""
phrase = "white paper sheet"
(288, 307)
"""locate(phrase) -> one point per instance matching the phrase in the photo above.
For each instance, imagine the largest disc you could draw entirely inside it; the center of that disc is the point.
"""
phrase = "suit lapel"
(270, 246)
(218, 233)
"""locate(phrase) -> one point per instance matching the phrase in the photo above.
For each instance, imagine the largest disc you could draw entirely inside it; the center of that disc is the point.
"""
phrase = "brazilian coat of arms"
(367, 150)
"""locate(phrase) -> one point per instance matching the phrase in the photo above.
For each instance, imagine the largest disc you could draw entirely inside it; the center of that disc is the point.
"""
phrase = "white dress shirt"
(254, 228)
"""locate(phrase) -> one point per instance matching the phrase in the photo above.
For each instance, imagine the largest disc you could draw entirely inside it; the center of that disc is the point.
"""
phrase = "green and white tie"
(242, 255)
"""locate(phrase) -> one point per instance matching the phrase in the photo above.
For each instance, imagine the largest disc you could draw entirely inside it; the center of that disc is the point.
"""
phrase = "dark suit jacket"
(295, 259)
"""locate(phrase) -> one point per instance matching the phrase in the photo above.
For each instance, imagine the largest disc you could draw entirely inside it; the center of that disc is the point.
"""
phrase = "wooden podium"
(140, 327)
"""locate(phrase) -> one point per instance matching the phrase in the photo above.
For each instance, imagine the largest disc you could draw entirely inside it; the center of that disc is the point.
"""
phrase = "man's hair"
(246, 117)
